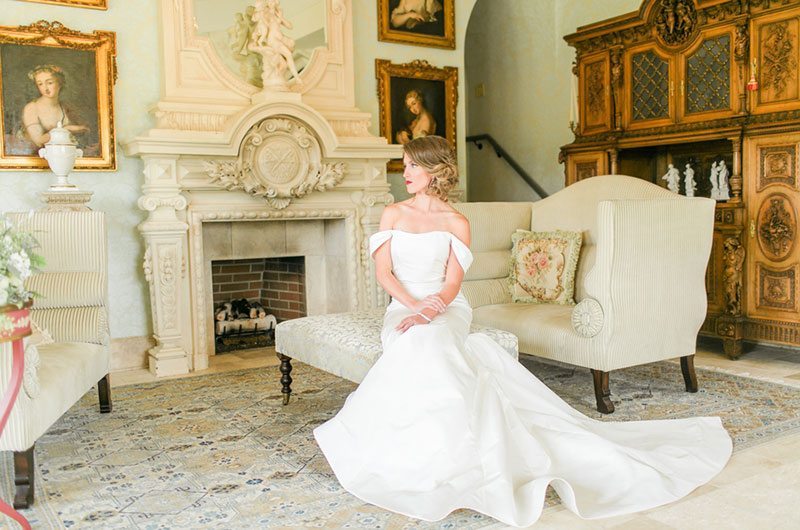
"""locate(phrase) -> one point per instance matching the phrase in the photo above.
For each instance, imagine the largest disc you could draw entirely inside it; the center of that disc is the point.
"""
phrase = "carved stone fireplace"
(259, 174)
(331, 284)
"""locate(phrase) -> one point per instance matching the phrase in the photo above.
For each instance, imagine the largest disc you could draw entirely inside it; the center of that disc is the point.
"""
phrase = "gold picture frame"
(416, 99)
(403, 21)
(90, 4)
(80, 70)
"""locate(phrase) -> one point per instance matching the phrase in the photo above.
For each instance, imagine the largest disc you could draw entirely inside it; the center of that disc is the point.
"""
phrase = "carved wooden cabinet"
(593, 84)
(699, 84)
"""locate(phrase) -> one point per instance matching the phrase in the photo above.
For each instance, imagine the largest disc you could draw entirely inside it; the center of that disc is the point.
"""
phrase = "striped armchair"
(72, 308)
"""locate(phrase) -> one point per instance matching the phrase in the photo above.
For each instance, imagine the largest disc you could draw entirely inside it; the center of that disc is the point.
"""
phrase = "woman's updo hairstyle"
(437, 156)
(56, 72)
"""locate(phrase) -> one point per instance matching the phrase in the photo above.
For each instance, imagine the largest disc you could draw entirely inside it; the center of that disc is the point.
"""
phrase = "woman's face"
(417, 178)
(414, 105)
(47, 84)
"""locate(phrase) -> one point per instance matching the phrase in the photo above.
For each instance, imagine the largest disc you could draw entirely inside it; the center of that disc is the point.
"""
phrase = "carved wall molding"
(777, 165)
(778, 57)
(351, 128)
(371, 199)
(150, 203)
(199, 69)
(635, 30)
(772, 331)
(595, 88)
(675, 22)
(585, 170)
(776, 289)
(279, 160)
(190, 121)
(741, 43)
(777, 226)
(733, 258)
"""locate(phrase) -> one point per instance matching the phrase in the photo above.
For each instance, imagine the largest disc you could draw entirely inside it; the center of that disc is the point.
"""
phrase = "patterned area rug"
(220, 451)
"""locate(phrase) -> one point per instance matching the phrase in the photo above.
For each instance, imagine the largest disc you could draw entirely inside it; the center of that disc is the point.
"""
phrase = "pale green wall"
(139, 64)
(367, 49)
(136, 23)
(516, 49)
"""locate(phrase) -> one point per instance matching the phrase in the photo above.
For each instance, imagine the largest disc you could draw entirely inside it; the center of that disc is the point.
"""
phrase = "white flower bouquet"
(17, 261)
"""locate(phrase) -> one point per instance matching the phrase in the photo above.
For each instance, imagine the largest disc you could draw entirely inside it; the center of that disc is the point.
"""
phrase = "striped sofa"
(71, 306)
(640, 282)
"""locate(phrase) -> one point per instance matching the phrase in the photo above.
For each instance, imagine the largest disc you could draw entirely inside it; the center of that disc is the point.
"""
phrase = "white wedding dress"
(447, 420)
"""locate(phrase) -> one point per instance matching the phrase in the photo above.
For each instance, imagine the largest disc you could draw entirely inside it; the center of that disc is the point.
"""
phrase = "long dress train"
(446, 420)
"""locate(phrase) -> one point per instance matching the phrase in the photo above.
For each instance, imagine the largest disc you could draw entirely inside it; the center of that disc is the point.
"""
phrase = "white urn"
(60, 153)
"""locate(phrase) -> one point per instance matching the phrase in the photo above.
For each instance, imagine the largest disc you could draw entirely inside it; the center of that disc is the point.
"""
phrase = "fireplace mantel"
(222, 150)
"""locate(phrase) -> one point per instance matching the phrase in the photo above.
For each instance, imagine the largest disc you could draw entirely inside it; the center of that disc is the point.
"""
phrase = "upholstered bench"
(346, 344)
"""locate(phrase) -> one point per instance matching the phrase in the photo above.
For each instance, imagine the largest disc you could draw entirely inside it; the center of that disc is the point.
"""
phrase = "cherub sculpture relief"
(675, 21)
(275, 48)
(238, 40)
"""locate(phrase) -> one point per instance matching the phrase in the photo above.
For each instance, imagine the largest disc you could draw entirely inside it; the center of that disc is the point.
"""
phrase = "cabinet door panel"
(773, 249)
(582, 166)
(709, 83)
(776, 46)
(649, 84)
(595, 80)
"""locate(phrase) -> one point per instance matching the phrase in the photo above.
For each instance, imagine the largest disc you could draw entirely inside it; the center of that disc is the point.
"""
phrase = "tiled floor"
(759, 488)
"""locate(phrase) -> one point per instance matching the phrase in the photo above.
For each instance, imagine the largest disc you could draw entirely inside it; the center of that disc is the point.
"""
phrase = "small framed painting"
(418, 22)
(91, 4)
(416, 99)
(50, 74)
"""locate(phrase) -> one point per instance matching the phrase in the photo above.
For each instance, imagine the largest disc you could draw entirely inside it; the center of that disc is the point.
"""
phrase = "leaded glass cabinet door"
(708, 82)
(595, 93)
(650, 87)
(775, 43)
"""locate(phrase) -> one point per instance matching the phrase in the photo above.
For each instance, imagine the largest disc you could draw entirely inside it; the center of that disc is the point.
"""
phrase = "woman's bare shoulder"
(459, 226)
(391, 214)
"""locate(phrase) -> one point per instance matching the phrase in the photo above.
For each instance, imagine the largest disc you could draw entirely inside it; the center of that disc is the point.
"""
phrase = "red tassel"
(753, 83)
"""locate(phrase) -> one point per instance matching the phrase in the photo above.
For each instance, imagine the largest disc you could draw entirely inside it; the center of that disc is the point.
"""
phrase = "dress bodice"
(419, 260)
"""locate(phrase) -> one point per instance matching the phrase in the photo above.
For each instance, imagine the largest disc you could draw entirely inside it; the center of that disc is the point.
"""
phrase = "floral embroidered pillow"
(543, 266)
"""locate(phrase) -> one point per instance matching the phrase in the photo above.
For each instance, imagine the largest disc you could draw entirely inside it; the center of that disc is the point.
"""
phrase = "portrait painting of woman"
(420, 22)
(418, 108)
(44, 86)
(416, 100)
(38, 95)
(422, 16)
(47, 111)
(423, 122)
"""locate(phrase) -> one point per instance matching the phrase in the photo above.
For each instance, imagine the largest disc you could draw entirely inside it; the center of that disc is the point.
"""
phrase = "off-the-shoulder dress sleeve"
(462, 252)
(377, 239)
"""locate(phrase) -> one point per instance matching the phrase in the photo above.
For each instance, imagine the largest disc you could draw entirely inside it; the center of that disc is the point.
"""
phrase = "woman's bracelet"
(424, 316)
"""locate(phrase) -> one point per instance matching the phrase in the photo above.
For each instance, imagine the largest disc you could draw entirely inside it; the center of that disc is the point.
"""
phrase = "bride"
(446, 419)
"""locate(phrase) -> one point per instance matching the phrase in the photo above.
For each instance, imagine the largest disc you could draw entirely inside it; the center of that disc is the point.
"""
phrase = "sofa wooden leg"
(689, 376)
(23, 478)
(104, 392)
(286, 378)
(601, 392)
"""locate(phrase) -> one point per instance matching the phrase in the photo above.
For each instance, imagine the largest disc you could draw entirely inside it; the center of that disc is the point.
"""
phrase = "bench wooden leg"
(23, 478)
(689, 375)
(286, 378)
(601, 392)
(104, 392)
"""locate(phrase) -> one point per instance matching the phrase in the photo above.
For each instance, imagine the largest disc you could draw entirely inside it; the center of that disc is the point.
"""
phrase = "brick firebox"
(278, 283)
